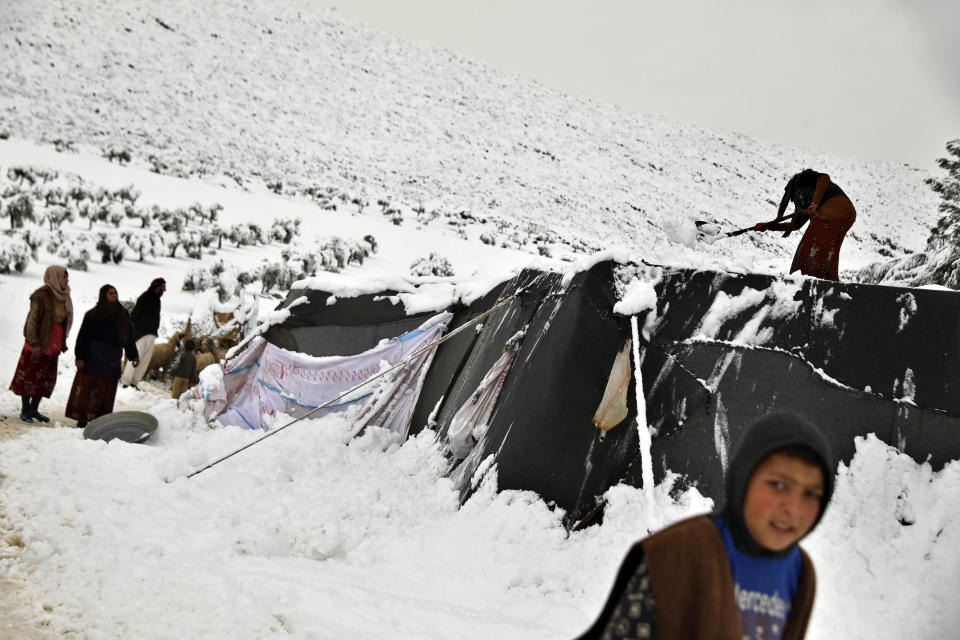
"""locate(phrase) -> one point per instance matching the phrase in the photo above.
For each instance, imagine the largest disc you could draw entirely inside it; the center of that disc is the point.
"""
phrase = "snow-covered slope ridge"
(288, 92)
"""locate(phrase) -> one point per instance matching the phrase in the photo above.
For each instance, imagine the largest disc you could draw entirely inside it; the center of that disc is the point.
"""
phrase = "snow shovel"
(709, 232)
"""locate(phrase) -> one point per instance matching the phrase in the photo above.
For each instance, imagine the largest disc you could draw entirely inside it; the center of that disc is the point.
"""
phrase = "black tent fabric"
(722, 349)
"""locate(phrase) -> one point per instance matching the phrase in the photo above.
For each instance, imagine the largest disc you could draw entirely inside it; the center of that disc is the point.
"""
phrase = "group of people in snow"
(107, 333)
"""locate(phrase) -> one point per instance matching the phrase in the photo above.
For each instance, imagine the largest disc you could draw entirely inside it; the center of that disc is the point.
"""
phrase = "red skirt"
(36, 374)
(90, 397)
(818, 253)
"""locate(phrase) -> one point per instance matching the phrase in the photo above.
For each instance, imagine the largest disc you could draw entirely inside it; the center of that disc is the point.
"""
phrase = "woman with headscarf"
(105, 334)
(45, 338)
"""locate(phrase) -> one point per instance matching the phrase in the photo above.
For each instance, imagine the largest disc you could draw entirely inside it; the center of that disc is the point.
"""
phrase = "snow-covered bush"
(21, 175)
(19, 209)
(227, 280)
(939, 263)
(75, 251)
(285, 230)
(122, 156)
(128, 194)
(111, 247)
(145, 243)
(56, 214)
(14, 254)
(245, 234)
(434, 265)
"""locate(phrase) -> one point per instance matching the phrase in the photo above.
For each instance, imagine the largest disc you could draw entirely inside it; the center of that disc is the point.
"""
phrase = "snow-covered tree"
(145, 243)
(111, 247)
(284, 231)
(19, 209)
(21, 175)
(57, 214)
(76, 251)
(14, 254)
(434, 265)
(939, 263)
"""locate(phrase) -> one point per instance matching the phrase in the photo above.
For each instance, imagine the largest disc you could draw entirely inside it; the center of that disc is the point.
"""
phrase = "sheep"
(209, 354)
(161, 358)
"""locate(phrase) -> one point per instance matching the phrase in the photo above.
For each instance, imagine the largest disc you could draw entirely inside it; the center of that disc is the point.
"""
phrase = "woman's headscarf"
(61, 292)
(114, 311)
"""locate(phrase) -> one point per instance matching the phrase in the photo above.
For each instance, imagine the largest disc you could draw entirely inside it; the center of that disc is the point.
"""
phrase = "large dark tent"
(719, 350)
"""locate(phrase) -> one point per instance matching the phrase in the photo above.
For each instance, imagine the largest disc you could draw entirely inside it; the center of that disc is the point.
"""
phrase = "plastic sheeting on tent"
(265, 380)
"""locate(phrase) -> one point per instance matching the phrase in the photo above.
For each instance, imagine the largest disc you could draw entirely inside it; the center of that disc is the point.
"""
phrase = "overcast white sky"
(869, 79)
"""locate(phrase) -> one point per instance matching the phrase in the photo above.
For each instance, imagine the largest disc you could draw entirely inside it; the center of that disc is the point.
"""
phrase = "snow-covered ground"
(310, 534)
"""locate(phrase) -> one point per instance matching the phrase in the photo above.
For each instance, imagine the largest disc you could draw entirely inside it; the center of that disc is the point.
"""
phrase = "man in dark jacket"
(146, 324)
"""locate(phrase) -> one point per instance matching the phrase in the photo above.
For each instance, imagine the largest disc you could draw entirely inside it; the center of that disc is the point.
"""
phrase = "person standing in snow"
(146, 324)
(737, 573)
(820, 201)
(105, 334)
(45, 338)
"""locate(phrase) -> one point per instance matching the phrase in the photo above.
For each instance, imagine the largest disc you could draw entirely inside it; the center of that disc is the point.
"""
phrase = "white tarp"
(470, 421)
(266, 380)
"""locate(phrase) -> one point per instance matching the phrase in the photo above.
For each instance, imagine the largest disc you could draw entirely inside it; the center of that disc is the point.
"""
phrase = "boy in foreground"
(737, 574)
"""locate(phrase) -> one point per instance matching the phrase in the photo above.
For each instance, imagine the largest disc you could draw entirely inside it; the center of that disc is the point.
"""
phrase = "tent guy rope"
(404, 363)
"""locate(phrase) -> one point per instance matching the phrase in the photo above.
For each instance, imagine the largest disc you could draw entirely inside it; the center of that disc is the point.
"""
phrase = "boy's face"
(783, 500)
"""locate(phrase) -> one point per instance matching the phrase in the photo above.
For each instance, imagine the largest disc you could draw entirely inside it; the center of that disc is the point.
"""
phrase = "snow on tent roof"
(720, 350)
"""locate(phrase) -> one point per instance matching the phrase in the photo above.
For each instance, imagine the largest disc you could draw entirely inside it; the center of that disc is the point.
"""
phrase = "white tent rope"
(403, 363)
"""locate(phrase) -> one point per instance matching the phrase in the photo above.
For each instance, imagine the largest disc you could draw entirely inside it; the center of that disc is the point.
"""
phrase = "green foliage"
(939, 263)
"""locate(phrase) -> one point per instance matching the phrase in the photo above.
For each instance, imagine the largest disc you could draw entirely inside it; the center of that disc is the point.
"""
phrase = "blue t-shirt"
(764, 588)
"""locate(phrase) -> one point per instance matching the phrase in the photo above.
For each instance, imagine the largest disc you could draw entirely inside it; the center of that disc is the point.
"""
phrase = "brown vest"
(693, 586)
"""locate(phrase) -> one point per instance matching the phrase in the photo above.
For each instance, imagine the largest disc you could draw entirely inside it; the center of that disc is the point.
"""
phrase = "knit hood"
(768, 434)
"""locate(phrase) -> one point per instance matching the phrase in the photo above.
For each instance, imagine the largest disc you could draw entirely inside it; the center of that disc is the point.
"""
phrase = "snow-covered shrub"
(434, 265)
(145, 243)
(202, 278)
(133, 212)
(245, 234)
(21, 175)
(156, 164)
(285, 230)
(19, 209)
(122, 156)
(111, 247)
(60, 145)
(34, 237)
(55, 215)
(14, 254)
(276, 275)
(227, 280)
(128, 194)
(76, 251)
(193, 244)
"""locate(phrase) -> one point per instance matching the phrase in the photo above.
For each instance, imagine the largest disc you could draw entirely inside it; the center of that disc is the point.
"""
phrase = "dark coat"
(146, 315)
(100, 347)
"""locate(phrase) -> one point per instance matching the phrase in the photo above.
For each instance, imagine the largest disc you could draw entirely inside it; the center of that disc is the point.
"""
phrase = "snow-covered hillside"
(282, 110)
(260, 92)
